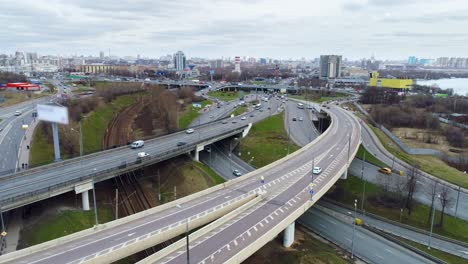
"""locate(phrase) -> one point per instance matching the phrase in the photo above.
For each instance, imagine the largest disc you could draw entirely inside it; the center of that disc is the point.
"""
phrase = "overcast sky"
(393, 29)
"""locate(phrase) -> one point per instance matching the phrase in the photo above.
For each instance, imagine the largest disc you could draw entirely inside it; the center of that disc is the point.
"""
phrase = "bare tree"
(446, 200)
(411, 186)
(432, 192)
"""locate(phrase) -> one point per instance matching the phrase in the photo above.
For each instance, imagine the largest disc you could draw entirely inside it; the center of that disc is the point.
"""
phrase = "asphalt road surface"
(11, 132)
(367, 245)
(423, 239)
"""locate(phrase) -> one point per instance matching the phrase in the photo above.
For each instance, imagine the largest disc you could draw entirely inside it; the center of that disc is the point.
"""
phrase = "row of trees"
(7, 77)
(397, 116)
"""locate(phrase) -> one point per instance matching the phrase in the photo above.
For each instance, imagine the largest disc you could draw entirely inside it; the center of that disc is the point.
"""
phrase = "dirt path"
(119, 131)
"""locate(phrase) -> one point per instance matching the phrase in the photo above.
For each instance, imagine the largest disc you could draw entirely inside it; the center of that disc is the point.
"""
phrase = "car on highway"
(181, 143)
(243, 118)
(234, 121)
(385, 170)
(189, 131)
(301, 118)
(252, 115)
(137, 144)
(294, 119)
(317, 170)
(18, 113)
(143, 154)
(211, 116)
(224, 122)
(236, 173)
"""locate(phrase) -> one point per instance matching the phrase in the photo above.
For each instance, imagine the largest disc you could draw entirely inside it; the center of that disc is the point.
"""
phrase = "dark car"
(181, 143)
(294, 119)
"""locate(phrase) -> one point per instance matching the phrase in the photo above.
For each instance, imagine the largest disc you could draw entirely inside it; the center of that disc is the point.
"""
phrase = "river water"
(459, 85)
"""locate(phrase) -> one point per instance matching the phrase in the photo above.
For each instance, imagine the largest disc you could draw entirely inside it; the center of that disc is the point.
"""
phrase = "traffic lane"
(418, 237)
(10, 139)
(302, 131)
(227, 238)
(367, 245)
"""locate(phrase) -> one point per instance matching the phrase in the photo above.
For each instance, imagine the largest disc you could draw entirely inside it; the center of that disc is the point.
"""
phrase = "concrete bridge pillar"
(288, 238)
(85, 200)
(345, 175)
(196, 156)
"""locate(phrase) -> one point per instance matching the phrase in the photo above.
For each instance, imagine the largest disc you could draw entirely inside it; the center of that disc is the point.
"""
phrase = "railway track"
(133, 199)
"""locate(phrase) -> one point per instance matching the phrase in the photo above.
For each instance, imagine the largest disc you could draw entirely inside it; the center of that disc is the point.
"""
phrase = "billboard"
(212, 72)
(52, 113)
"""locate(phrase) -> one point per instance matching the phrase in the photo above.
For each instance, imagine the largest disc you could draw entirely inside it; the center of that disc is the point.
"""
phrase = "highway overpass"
(78, 174)
(269, 207)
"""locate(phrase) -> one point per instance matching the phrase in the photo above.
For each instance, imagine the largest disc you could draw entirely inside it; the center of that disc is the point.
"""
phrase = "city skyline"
(217, 28)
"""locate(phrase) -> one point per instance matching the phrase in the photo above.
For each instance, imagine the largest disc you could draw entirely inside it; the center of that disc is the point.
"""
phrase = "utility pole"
(354, 229)
(432, 225)
(188, 241)
(363, 183)
(159, 186)
(458, 198)
(95, 204)
(116, 203)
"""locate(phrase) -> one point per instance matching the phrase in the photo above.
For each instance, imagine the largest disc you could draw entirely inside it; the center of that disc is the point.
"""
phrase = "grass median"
(266, 142)
(227, 95)
(449, 258)
(65, 223)
(239, 110)
(191, 113)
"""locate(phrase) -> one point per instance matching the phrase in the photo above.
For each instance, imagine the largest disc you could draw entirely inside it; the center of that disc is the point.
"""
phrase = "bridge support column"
(196, 156)
(345, 175)
(85, 200)
(288, 238)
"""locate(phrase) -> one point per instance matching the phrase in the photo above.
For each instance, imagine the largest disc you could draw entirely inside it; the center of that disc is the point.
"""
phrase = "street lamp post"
(354, 229)
(363, 183)
(432, 225)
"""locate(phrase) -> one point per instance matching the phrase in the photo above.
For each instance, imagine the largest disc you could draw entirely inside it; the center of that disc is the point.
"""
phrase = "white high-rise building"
(179, 61)
(237, 64)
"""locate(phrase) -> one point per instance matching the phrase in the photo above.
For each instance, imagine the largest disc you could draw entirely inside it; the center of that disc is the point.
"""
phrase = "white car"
(189, 131)
(17, 113)
(243, 118)
(142, 154)
(317, 170)
(236, 173)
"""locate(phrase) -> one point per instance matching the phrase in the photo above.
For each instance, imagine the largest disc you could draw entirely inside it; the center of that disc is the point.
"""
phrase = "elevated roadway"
(287, 197)
(79, 173)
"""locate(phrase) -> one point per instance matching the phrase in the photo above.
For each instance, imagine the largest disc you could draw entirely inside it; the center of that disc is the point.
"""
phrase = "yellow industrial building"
(375, 81)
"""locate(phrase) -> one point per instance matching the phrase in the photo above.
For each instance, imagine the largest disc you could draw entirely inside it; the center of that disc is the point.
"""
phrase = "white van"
(137, 144)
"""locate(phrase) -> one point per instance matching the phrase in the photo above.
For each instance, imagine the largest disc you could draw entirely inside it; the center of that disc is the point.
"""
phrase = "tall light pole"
(230, 153)
(432, 225)
(188, 241)
(354, 229)
(363, 182)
